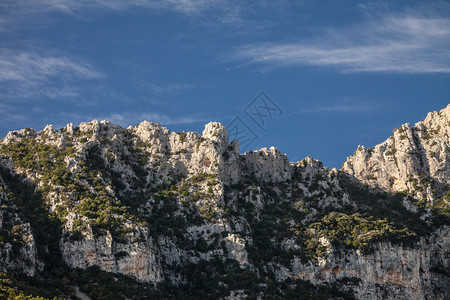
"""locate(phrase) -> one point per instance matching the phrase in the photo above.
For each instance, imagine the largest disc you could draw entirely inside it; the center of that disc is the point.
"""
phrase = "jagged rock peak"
(415, 160)
(167, 207)
(309, 160)
(15, 135)
(217, 132)
(149, 130)
(437, 117)
(268, 164)
(49, 129)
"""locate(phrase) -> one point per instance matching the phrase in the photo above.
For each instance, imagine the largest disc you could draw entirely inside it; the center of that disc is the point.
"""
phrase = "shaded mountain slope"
(146, 212)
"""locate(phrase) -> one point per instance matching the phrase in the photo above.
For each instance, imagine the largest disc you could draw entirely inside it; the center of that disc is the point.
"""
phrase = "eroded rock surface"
(415, 159)
(164, 207)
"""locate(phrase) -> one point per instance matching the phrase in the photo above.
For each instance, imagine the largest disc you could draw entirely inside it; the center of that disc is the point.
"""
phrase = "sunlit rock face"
(153, 204)
(415, 159)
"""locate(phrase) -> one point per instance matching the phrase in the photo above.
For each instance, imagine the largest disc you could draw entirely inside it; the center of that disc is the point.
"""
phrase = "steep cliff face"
(137, 258)
(18, 247)
(18, 252)
(389, 272)
(188, 213)
(415, 159)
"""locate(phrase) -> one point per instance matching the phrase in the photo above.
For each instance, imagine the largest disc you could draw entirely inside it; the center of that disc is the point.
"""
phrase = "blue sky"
(341, 73)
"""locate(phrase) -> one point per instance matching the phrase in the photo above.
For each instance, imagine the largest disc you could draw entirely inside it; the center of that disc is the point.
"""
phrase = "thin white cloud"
(37, 118)
(29, 66)
(133, 118)
(210, 12)
(405, 44)
(160, 88)
(125, 118)
(346, 106)
(188, 7)
(11, 115)
(3, 22)
(24, 74)
(194, 7)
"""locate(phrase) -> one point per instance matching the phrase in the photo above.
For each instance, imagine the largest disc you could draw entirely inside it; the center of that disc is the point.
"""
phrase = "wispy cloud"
(188, 7)
(133, 118)
(129, 118)
(159, 88)
(406, 44)
(37, 118)
(10, 114)
(124, 119)
(27, 73)
(345, 106)
(26, 66)
(210, 12)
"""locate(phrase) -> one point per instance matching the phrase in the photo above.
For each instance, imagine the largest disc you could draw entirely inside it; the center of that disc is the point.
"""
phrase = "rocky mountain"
(105, 212)
(414, 160)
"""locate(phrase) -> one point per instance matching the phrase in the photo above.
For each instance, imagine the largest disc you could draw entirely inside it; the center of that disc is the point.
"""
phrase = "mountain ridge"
(169, 208)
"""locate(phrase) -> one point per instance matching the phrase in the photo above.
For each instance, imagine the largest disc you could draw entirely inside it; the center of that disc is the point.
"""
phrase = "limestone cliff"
(18, 247)
(415, 159)
(186, 215)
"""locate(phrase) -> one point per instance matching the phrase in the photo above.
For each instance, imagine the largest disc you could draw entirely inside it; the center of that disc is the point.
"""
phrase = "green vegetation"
(391, 151)
(203, 176)
(268, 225)
(270, 215)
(205, 280)
(215, 280)
(104, 211)
(207, 212)
(377, 217)
(355, 231)
(402, 129)
(31, 207)
(382, 205)
(182, 135)
(45, 159)
(11, 288)
(441, 210)
(199, 142)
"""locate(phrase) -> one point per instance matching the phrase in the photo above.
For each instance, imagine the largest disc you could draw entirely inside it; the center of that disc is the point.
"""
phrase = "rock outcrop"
(415, 159)
(18, 252)
(188, 213)
(390, 272)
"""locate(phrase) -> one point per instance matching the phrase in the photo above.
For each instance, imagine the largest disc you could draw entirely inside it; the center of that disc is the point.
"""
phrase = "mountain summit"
(414, 160)
(105, 212)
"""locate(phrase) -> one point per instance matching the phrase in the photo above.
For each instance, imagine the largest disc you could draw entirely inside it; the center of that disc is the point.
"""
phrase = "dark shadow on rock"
(32, 208)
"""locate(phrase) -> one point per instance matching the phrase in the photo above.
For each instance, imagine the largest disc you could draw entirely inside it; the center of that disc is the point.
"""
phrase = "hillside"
(111, 213)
